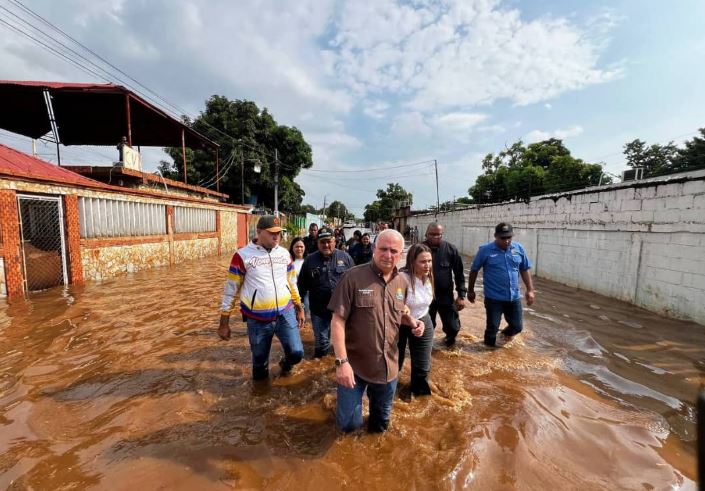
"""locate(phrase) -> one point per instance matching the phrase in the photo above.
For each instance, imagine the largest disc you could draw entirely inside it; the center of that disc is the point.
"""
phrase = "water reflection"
(124, 384)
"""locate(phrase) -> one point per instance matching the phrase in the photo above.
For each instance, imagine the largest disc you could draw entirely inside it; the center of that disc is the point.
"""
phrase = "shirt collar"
(378, 272)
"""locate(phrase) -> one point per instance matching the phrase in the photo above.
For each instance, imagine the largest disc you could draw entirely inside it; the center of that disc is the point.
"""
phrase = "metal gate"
(43, 245)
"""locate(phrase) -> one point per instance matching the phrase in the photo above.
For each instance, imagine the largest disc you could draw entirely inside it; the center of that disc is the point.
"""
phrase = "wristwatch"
(340, 361)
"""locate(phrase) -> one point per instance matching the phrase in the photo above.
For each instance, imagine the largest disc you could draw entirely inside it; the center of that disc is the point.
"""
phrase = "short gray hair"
(392, 232)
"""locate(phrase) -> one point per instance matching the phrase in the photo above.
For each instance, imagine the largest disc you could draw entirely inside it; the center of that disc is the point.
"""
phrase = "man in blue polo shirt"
(502, 261)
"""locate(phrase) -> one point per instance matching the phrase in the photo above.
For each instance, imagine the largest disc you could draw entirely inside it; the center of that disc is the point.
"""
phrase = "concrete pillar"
(73, 240)
(170, 232)
(11, 243)
(218, 232)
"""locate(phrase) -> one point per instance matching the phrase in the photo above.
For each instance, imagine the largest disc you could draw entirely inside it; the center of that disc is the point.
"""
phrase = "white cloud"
(458, 122)
(538, 135)
(410, 125)
(462, 53)
(548, 106)
(376, 109)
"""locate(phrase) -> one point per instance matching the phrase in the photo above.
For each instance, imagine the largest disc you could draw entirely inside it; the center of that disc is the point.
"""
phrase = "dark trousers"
(449, 318)
(420, 353)
(494, 310)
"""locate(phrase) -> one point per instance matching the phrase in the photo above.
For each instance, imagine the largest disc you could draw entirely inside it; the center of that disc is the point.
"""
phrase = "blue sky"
(382, 83)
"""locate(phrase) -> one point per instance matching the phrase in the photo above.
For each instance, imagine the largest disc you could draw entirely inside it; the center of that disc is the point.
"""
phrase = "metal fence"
(101, 217)
(43, 247)
(193, 220)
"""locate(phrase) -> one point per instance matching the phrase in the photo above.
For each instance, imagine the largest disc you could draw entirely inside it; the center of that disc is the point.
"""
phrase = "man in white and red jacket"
(264, 275)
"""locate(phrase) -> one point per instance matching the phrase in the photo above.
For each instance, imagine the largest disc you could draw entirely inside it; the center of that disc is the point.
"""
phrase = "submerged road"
(125, 385)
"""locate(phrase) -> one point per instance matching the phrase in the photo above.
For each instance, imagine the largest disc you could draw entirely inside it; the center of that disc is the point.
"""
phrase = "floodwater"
(125, 385)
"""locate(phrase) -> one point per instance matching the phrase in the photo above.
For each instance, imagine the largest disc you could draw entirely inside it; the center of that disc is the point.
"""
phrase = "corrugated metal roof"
(18, 164)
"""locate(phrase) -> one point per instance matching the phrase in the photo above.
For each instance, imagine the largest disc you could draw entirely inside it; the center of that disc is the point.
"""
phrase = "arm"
(236, 276)
(526, 277)
(471, 286)
(303, 281)
(344, 373)
(459, 277)
(417, 326)
(296, 298)
(477, 263)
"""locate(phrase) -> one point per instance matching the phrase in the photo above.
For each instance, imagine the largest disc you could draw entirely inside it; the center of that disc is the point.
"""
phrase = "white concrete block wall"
(643, 243)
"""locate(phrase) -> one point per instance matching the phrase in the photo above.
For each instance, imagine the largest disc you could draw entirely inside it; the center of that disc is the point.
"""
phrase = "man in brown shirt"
(368, 307)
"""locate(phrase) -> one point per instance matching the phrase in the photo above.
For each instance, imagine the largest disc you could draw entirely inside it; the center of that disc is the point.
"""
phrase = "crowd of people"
(364, 309)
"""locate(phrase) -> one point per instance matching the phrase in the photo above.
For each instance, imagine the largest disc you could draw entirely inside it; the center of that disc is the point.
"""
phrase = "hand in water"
(224, 328)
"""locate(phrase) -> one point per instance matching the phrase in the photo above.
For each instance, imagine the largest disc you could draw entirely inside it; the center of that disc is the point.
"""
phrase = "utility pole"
(323, 211)
(276, 183)
(438, 201)
(242, 177)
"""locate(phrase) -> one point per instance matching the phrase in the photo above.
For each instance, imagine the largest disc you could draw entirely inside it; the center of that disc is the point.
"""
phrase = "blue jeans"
(261, 333)
(321, 333)
(348, 411)
(494, 309)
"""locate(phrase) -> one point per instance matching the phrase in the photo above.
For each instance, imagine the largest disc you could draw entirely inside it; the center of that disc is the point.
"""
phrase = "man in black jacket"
(310, 241)
(319, 275)
(447, 266)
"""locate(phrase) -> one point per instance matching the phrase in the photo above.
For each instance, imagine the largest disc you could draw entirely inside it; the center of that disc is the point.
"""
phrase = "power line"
(372, 169)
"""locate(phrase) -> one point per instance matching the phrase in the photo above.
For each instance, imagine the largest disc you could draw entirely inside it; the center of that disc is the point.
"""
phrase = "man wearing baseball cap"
(319, 276)
(502, 262)
(264, 276)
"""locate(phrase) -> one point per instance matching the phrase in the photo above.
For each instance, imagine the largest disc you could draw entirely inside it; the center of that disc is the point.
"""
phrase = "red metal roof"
(91, 114)
(18, 164)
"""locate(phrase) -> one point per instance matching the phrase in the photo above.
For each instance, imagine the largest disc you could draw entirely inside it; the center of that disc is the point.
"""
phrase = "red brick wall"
(73, 240)
(10, 226)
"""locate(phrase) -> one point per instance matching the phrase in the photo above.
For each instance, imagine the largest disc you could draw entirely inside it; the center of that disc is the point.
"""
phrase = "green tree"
(519, 172)
(372, 212)
(338, 210)
(656, 159)
(246, 135)
(693, 155)
(388, 200)
(567, 173)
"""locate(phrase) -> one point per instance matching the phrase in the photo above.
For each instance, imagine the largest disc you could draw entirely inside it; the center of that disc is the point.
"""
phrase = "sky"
(381, 88)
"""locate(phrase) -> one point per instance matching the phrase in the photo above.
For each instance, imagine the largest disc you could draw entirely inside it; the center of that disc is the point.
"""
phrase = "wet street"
(125, 385)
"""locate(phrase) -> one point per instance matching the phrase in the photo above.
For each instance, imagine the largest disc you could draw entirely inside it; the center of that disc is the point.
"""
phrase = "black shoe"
(420, 387)
(285, 366)
(449, 342)
(260, 374)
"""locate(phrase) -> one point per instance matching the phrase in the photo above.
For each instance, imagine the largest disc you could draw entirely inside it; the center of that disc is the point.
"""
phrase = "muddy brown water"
(125, 385)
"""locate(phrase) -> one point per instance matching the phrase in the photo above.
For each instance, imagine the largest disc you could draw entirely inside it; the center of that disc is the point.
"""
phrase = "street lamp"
(257, 169)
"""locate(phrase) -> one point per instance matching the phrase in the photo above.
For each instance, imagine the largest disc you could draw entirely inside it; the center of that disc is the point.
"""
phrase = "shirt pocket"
(516, 260)
(364, 301)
